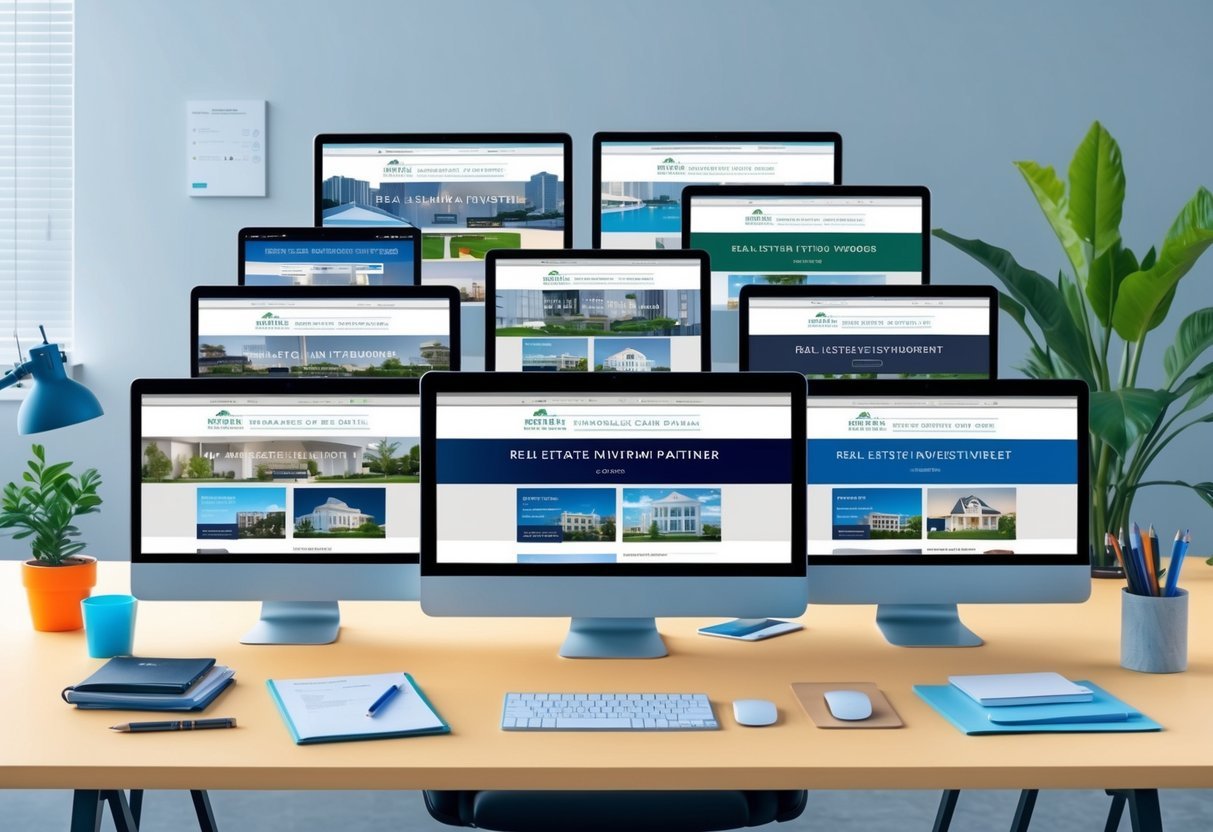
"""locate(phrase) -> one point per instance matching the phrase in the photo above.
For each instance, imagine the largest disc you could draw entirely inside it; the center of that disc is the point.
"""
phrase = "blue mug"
(109, 625)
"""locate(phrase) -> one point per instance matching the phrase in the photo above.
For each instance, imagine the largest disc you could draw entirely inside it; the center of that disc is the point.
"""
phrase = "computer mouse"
(754, 712)
(851, 705)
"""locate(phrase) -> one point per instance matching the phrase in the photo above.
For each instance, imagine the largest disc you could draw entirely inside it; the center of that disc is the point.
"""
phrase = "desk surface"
(465, 665)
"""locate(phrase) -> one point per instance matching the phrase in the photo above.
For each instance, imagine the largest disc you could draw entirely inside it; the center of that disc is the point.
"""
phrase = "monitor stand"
(295, 622)
(924, 625)
(613, 638)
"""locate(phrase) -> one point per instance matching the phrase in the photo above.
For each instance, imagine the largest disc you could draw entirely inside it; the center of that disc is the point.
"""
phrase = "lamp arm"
(15, 375)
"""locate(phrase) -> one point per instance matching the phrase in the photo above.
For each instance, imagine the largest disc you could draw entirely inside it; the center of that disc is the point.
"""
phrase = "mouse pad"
(812, 699)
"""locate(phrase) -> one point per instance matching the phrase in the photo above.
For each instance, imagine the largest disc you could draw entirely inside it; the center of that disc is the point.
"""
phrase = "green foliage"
(1092, 322)
(44, 508)
(158, 464)
(262, 472)
(1006, 525)
(654, 531)
(382, 457)
(199, 467)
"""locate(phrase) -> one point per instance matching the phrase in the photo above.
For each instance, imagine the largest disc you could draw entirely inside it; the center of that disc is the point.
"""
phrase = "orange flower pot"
(55, 592)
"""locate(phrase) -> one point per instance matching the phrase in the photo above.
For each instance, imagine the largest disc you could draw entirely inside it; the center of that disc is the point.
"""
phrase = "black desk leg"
(943, 817)
(137, 805)
(1023, 812)
(1144, 812)
(86, 810)
(124, 821)
(202, 808)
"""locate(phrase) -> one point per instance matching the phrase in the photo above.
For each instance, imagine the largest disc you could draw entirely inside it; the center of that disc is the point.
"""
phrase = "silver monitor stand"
(924, 625)
(295, 622)
(613, 638)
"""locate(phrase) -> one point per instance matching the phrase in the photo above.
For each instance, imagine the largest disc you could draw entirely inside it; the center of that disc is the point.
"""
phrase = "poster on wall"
(226, 148)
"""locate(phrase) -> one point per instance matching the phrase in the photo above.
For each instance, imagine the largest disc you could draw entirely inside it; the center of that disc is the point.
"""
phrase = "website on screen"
(328, 263)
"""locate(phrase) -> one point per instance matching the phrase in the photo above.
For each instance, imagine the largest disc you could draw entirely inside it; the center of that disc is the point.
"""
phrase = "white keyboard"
(607, 712)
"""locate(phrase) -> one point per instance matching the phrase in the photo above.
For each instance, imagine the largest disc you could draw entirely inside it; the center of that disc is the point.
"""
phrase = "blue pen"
(1139, 563)
(382, 700)
(1177, 549)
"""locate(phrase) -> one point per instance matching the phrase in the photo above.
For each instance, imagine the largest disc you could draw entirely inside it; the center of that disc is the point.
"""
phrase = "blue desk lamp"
(55, 400)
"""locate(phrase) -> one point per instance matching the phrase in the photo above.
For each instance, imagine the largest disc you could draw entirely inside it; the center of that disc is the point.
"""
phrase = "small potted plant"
(58, 577)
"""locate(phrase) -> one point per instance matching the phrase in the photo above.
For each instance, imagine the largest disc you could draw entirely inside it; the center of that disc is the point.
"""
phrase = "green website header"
(798, 252)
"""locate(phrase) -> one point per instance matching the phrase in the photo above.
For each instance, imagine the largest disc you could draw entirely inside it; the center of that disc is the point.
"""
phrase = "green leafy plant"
(44, 508)
(1093, 321)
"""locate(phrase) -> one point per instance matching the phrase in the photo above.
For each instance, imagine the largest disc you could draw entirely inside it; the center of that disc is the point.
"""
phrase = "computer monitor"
(295, 493)
(612, 498)
(924, 494)
(639, 176)
(376, 332)
(593, 311)
(786, 235)
(329, 256)
(469, 193)
(862, 332)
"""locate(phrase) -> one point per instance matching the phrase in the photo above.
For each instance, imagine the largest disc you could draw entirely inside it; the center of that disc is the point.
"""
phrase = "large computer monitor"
(639, 176)
(587, 310)
(469, 193)
(862, 332)
(787, 235)
(612, 498)
(295, 493)
(925, 494)
(329, 256)
(376, 332)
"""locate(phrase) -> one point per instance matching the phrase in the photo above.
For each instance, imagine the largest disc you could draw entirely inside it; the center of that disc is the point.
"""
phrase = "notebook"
(333, 709)
(1004, 689)
(971, 718)
(197, 698)
(138, 674)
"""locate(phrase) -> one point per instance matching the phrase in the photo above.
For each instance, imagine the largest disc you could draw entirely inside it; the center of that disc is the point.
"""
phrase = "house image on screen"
(674, 514)
(335, 514)
(629, 361)
(971, 512)
(880, 521)
(564, 361)
(574, 522)
(245, 519)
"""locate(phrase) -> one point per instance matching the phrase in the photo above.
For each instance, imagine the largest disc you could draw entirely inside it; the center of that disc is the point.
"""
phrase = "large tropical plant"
(1093, 320)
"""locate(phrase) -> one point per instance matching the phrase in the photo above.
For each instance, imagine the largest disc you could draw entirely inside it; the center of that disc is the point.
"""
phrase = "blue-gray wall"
(941, 93)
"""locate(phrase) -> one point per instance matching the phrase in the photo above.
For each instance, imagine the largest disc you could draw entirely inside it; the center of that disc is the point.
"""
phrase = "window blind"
(36, 98)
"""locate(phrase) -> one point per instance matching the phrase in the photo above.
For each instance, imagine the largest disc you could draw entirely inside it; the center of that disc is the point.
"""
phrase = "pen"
(174, 725)
(1155, 561)
(1139, 564)
(384, 698)
(1147, 556)
(1178, 551)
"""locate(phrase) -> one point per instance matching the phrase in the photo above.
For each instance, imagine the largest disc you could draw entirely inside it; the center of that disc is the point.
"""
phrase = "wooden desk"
(465, 665)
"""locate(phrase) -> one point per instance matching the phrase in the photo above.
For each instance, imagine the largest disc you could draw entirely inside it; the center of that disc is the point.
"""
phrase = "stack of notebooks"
(134, 683)
(1020, 703)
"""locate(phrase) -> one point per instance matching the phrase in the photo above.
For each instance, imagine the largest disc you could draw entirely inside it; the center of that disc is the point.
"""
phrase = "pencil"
(1147, 554)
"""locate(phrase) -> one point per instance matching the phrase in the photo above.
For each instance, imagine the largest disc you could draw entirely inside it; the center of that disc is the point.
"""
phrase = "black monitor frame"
(496, 256)
(698, 137)
(309, 234)
(358, 293)
(927, 292)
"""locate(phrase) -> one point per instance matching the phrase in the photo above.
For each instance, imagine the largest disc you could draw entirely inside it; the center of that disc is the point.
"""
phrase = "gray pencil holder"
(1154, 632)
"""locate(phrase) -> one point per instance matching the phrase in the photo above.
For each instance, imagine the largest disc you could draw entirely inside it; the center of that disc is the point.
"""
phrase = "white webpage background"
(324, 320)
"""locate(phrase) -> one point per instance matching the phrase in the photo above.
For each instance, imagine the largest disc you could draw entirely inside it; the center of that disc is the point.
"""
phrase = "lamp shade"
(55, 401)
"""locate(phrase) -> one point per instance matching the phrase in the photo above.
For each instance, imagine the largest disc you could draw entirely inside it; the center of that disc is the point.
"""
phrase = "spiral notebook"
(333, 709)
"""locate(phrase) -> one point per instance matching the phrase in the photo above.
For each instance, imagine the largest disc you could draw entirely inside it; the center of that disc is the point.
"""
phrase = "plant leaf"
(1120, 417)
(1146, 290)
(1097, 190)
(1050, 193)
(1040, 298)
(1194, 336)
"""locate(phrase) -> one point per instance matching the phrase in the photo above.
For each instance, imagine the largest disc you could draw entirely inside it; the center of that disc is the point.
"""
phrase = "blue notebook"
(1072, 717)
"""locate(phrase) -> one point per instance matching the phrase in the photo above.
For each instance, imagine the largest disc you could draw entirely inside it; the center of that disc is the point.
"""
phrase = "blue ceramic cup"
(109, 625)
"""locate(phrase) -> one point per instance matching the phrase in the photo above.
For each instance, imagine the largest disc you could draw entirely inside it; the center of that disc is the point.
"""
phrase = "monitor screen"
(624, 482)
(846, 235)
(265, 476)
(894, 332)
(948, 476)
(309, 333)
(328, 257)
(468, 195)
(639, 177)
(590, 312)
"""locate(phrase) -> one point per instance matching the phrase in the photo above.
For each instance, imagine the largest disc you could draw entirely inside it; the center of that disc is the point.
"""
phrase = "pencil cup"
(1154, 632)
(109, 625)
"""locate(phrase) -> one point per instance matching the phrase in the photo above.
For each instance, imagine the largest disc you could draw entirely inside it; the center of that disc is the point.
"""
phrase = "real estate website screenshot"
(466, 200)
(871, 337)
(262, 476)
(599, 315)
(804, 241)
(613, 479)
(641, 201)
(329, 338)
(947, 476)
(328, 263)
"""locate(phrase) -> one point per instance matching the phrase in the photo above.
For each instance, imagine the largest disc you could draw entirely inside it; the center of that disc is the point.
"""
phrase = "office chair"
(605, 811)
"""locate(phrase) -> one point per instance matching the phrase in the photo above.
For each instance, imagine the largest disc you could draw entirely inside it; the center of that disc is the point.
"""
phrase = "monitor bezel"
(691, 192)
(698, 137)
(936, 291)
(435, 384)
(562, 139)
(705, 276)
(977, 388)
(306, 233)
(203, 387)
(359, 293)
